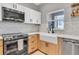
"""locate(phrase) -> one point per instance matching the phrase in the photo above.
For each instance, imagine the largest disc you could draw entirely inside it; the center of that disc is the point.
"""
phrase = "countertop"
(58, 35)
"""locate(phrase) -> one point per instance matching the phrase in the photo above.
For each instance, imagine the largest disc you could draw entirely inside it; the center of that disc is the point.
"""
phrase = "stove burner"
(13, 36)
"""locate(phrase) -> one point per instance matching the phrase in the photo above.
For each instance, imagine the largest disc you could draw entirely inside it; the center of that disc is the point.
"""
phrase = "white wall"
(71, 23)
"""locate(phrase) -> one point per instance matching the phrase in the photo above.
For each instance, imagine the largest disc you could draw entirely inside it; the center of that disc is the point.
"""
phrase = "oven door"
(10, 47)
(22, 47)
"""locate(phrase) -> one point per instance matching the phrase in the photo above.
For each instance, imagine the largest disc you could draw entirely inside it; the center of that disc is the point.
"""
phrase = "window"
(56, 20)
(59, 22)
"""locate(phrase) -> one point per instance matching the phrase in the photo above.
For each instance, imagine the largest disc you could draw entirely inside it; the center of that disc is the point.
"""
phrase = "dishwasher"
(70, 47)
(75, 47)
(67, 47)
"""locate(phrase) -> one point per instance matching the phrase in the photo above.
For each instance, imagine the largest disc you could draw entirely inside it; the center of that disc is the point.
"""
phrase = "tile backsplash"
(7, 27)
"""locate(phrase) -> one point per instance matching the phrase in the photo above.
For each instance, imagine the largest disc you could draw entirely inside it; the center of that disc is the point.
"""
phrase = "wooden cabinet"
(43, 47)
(1, 47)
(35, 43)
(52, 49)
(32, 43)
(49, 48)
(60, 44)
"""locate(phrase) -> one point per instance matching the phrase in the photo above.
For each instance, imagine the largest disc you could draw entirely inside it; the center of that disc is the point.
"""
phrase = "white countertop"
(58, 35)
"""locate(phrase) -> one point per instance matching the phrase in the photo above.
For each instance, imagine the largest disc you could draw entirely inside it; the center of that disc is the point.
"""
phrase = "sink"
(51, 38)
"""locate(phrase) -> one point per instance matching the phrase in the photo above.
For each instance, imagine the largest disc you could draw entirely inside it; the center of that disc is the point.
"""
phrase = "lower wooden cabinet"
(52, 49)
(1, 47)
(35, 43)
(32, 43)
(43, 47)
(49, 48)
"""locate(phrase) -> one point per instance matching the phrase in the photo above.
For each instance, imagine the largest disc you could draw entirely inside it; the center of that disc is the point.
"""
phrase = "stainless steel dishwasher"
(70, 46)
(75, 47)
(67, 47)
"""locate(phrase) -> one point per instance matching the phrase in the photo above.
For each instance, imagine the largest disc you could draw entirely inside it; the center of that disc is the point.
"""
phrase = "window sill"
(57, 29)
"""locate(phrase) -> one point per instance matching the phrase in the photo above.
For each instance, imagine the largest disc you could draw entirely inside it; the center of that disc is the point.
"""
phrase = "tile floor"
(37, 53)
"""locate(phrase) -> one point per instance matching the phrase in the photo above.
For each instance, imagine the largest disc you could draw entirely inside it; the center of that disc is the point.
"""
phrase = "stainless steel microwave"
(12, 15)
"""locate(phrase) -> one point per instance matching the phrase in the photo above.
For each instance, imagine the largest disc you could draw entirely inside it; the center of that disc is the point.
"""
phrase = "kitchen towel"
(20, 44)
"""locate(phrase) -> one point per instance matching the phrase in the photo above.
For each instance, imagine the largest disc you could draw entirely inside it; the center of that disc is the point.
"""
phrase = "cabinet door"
(38, 17)
(1, 47)
(20, 7)
(32, 16)
(52, 49)
(43, 47)
(27, 15)
(32, 43)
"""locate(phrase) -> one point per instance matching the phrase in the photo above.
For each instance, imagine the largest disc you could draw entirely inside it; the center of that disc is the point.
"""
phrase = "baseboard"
(38, 50)
(33, 52)
(42, 52)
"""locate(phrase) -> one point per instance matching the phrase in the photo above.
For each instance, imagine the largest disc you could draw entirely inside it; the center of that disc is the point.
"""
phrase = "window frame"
(59, 20)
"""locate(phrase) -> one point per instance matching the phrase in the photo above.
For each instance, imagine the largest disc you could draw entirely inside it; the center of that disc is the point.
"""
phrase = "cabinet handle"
(32, 41)
(32, 48)
(14, 6)
(30, 20)
(37, 21)
(46, 44)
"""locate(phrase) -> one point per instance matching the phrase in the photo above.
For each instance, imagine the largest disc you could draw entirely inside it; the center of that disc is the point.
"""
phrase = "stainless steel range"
(15, 44)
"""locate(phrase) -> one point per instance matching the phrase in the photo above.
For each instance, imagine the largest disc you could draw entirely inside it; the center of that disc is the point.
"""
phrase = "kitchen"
(39, 29)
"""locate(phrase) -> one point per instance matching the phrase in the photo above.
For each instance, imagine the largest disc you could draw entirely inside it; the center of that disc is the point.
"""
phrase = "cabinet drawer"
(1, 50)
(43, 46)
(1, 47)
(1, 42)
(34, 42)
(32, 45)
(1, 53)
(32, 36)
(52, 49)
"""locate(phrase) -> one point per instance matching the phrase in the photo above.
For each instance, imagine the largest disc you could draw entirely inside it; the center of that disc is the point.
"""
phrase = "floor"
(37, 53)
